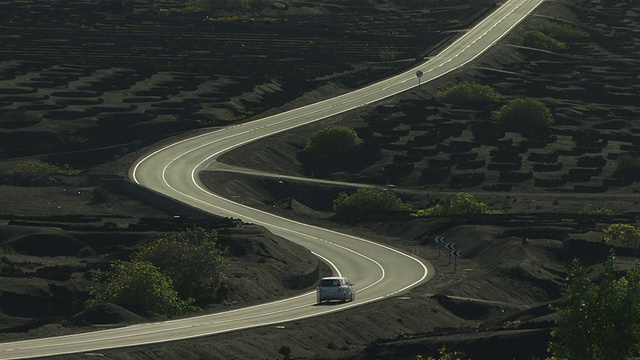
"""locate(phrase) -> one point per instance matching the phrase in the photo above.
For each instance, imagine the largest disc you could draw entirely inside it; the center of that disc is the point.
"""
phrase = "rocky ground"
(99, 113)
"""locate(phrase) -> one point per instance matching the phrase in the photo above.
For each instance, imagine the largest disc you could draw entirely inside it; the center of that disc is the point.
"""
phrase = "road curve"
(377, 270)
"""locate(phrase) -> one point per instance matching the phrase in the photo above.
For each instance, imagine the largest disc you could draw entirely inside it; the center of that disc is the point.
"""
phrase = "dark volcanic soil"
(493, 305)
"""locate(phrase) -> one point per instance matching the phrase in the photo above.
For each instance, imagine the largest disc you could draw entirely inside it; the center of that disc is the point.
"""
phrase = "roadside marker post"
(439, 240)
(450, 246)
(455, 254)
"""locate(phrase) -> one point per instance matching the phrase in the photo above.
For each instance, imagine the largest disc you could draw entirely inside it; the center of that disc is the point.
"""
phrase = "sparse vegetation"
(459, 204)
(588, 208)
(465, 92)
(444, 354)
(36, 167)
(389, 53)
(240, 5)
(368, 202)
(524, 114)
(563, 32)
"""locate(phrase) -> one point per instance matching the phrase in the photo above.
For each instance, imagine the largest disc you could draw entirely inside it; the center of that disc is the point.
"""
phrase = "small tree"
(524, 114)
(332, 141)
(368, 202)
(459, 204)
(599, 320)
(139, 286)
(468, 92)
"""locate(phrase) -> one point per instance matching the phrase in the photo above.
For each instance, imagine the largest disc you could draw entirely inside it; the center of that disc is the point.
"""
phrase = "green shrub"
(524, 114)
(86, 252)
(459, 204)
(99, 195)
(4, 264)
(368, 202)
(468, 92)
(539, 40)
(628, 166)
(284, 350)
(36, 167)
(627, 234)
(332, 141)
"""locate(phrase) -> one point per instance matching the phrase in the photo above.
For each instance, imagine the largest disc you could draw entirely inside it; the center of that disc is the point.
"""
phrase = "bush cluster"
(368, 202)
(459, 204)
(465, 92)
(167, 276)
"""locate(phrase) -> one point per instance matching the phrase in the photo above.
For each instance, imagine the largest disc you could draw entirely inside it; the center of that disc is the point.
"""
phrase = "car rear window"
(330, 282)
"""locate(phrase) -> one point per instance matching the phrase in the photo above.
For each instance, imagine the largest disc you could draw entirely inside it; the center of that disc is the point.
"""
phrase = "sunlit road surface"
(377, 270)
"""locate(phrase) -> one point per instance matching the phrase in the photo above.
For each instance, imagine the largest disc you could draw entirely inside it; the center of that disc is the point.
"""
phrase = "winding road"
(378, 271)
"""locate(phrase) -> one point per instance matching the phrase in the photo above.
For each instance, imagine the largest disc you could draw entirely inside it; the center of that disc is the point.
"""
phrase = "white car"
(335, 288)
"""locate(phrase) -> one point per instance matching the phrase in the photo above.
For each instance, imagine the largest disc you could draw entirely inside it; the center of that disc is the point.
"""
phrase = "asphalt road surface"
(378, 271)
